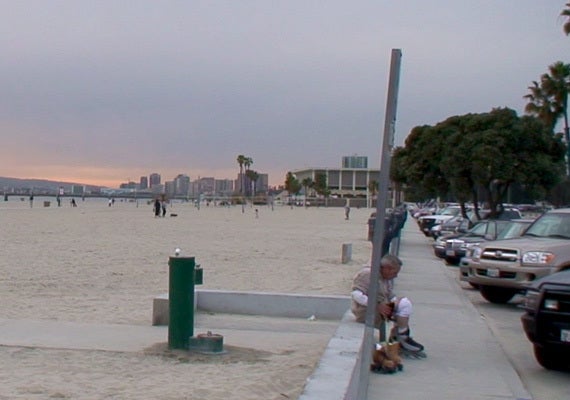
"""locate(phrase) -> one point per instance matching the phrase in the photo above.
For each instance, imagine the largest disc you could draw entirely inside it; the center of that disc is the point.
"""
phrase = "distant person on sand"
(256, 213)
(346, 212)
(157, 208)
(163, 208)
(73, 203)
(31, 200)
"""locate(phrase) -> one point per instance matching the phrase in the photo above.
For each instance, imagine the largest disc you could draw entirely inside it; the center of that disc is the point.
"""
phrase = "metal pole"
(567, 137)
(382, 199)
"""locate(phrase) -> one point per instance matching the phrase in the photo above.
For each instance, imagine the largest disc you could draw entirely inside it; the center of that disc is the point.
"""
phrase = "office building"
(355, 161)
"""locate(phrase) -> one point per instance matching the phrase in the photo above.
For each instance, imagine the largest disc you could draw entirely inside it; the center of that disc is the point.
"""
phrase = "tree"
(241, 159)
(540, 105)
(307, 183)
(321, 186)
(485, 152)
(292, 186)
(566, 14)
(548, 100)
(252, 176)
(247, 163)
(418, 164)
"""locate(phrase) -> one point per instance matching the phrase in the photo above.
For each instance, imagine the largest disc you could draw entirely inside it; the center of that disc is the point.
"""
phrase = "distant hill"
(40, 184)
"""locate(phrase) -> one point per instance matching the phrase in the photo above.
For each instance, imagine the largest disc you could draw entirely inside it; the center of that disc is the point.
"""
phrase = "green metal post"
(181, 301)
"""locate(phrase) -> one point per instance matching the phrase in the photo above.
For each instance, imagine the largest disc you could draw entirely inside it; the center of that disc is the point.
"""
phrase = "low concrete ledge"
(337, 374)
(258, 303)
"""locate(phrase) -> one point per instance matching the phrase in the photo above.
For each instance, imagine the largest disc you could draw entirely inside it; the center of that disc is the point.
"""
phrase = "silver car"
(504, 268)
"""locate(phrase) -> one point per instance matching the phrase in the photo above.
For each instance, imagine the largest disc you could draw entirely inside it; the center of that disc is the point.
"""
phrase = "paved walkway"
(465, 360)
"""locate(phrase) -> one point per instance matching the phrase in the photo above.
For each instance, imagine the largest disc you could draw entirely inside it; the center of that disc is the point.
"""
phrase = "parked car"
(440, 244)
(426, 222)
(546, 320)
(462, 224)
(513, 229)
(456, 247)
(503, 268)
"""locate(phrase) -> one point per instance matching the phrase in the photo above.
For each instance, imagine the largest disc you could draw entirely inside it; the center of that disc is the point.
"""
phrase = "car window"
(513, 230)
(451, 211)
(479, 229)
(551, 225)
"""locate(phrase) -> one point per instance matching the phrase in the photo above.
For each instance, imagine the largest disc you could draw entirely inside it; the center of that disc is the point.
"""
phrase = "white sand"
(101, 264)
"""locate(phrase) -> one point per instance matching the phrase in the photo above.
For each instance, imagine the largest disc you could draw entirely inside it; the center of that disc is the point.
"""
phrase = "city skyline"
(100, 92)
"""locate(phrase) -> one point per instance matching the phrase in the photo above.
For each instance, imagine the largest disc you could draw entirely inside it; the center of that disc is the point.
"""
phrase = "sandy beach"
(99, 264)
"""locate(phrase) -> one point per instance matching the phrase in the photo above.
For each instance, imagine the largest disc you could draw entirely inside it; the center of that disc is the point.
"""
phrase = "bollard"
(346, 255)
(183, 276)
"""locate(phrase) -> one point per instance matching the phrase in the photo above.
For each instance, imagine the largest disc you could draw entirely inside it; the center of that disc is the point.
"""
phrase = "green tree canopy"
(487, 152)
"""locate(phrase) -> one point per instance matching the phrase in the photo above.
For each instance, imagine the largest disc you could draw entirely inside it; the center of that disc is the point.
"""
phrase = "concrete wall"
(258, 303)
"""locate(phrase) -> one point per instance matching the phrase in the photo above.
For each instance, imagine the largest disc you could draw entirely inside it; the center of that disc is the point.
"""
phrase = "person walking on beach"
(157, 208)
(346, 212)
(388, 306)
(163, 208)
(31, 201)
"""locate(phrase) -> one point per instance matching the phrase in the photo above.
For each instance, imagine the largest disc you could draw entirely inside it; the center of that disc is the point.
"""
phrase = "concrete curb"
(337, 374)
(258, 303)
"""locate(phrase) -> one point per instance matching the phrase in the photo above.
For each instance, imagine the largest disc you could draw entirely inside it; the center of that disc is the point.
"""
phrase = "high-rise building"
(154, 179)
(355, 161)
(143, 183)
(182, 185)
(262, 183)
(224, 187)
(207, 185)
(169, 188)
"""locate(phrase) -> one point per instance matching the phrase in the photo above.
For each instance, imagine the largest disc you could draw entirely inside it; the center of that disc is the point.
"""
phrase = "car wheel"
(452, 260)
(496, 295)
(551, 358)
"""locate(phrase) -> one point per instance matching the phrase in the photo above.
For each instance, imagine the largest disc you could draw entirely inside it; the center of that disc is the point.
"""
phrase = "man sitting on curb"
(389, 307)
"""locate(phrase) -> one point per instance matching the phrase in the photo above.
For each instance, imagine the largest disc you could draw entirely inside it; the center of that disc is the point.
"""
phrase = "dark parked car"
(546, 320)
(456, 247)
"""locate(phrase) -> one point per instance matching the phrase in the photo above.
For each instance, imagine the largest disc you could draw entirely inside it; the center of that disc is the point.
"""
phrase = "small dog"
(386, 358)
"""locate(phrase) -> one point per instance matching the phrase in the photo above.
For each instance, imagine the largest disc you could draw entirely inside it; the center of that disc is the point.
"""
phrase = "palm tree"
(307, 183)
(566, 14)
(241, 161)
(292, 186)
(540, 105)
(248, 162)
(549, 100)
(252, 176)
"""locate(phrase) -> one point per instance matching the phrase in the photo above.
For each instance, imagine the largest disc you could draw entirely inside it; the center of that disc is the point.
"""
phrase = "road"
(504, 322)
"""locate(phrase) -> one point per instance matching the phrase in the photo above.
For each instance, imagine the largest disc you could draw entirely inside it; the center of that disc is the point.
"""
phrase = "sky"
(102, 92)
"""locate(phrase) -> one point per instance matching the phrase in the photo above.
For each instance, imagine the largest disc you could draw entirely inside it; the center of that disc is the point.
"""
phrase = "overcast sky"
(104, 91)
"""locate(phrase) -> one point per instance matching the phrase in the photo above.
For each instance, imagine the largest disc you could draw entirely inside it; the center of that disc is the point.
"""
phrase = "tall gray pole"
(382, 200)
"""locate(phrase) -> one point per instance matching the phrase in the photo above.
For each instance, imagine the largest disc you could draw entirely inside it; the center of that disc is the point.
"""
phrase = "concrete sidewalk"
(465, 360)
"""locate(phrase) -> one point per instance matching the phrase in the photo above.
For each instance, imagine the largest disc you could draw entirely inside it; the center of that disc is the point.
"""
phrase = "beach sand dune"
(99, 264)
